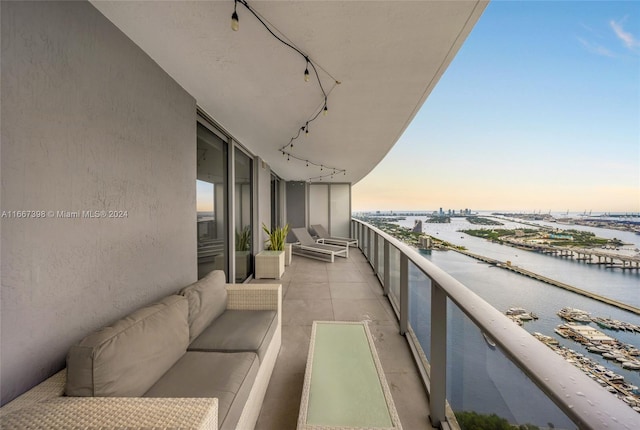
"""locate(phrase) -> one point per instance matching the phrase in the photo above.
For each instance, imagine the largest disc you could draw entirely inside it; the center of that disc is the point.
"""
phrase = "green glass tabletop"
(345, 387)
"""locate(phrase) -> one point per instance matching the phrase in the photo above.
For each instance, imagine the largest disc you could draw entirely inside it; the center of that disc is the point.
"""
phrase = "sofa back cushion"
(126, 358)
(207, 301)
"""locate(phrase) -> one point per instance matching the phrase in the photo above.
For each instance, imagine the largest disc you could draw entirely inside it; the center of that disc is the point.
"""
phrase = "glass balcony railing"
(475, 362)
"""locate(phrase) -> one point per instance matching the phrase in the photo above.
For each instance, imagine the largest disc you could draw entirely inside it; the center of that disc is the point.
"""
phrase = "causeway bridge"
(588, 255)
(507, 266)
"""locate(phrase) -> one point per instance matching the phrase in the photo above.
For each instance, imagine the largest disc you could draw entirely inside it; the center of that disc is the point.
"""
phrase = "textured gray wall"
(89, 122)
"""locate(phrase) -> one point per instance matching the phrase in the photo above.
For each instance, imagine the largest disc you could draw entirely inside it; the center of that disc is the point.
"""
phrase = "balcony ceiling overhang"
(388, 56)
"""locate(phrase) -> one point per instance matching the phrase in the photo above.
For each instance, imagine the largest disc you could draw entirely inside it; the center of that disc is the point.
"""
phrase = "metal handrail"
(583, 400)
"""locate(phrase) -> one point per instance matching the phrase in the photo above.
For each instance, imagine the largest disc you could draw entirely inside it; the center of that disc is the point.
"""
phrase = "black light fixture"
(306, 70)
(235, 24)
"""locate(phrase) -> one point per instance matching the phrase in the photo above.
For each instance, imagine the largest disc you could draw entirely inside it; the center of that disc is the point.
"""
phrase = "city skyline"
(539, 111)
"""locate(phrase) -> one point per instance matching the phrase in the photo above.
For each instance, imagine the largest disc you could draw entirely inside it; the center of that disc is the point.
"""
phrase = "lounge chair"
(325, 237)
(308, 247)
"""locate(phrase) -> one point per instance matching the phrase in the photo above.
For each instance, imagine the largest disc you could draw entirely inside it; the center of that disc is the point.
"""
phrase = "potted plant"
(277, 237)
(243, 239)
(270, 263)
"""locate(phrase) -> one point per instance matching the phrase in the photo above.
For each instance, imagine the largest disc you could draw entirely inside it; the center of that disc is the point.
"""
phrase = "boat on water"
(611, 324)
(562, 331)
(575, 315)
(631, 365)
(517, 313)
(549, 340)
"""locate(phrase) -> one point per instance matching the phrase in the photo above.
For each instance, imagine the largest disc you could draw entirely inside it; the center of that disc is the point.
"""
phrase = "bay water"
(480, 378)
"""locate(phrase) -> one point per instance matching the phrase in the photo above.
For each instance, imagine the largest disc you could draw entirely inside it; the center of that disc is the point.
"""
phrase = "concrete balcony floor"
(346, 290)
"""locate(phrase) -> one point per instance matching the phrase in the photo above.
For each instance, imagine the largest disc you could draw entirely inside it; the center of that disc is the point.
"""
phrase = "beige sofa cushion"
(126, 358)
(238, 331)
(207, 301)
(228, 377)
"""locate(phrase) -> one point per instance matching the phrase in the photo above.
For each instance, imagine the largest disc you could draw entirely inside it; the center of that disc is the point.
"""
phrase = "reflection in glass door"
(243, 215)
(275, 202)
(211, 202)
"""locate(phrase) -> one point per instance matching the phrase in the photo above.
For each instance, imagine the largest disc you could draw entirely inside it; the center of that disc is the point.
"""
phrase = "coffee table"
(344, 385)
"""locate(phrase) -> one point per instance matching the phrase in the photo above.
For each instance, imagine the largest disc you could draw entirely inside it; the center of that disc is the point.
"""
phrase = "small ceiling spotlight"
(325, 111)
(306, 70)
(235, 25)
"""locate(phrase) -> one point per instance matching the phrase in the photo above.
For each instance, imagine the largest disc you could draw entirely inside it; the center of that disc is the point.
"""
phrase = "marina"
(624, 354)
(613, 382)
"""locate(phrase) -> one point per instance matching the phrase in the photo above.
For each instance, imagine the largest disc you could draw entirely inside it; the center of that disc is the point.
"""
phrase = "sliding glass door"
(243, 215)
(211, 202)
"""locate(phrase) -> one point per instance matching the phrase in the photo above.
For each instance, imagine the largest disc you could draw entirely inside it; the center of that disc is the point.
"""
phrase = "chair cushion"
(228, 377)
(126, 358)
(238, 331)
(207, 301)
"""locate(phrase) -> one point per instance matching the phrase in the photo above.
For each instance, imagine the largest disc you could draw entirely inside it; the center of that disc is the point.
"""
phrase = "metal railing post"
(387, 263)
(375, 253)
(438, 373)
(404, 293)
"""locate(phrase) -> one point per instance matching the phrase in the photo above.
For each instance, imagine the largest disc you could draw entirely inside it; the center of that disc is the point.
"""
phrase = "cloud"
(596, 49)
(627, 38)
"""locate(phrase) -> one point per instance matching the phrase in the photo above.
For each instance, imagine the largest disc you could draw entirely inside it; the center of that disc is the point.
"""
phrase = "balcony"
(102, 102)
(397, 291)
(346, 290)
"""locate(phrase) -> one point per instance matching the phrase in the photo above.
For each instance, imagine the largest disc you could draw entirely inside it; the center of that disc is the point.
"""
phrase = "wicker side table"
(269, 264)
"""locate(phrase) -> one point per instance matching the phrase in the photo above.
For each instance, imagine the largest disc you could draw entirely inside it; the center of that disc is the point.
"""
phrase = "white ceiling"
(388, 56)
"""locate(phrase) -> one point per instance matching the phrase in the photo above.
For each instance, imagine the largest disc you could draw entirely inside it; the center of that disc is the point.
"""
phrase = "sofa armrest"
(49, 389)
(117, 413)
(254, 297)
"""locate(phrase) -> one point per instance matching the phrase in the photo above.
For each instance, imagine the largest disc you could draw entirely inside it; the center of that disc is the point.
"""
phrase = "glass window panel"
(211, 202)
(243, 215)
(380, 268)
(481, 379)
(420, 307)
(394, 275)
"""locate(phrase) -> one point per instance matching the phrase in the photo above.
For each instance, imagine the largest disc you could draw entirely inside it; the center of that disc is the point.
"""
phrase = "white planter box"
(269, 265)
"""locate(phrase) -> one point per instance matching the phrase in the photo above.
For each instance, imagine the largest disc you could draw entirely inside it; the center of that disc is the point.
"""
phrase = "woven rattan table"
(344, 385)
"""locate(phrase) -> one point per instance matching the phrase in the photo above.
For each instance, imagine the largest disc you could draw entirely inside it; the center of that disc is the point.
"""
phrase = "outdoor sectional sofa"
(200, 359)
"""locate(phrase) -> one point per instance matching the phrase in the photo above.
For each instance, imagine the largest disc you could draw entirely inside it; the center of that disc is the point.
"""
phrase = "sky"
(538, 111)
